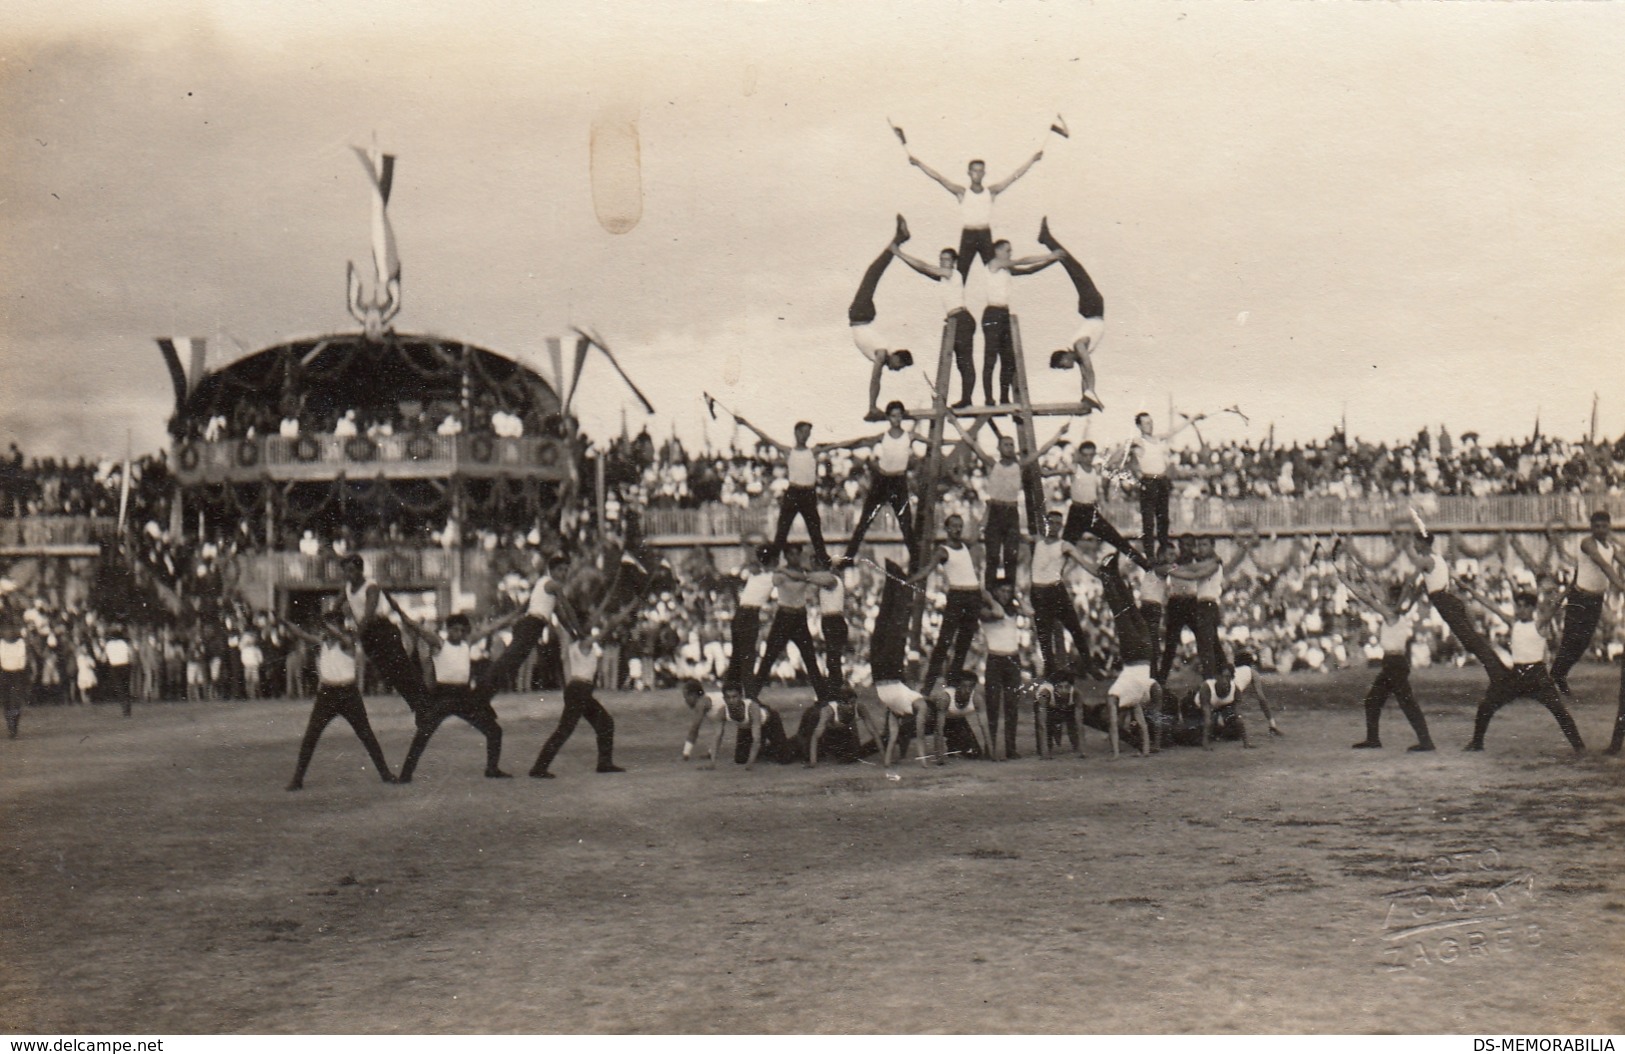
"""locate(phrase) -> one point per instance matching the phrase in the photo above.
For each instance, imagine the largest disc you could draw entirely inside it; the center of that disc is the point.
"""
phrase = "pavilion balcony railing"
(41, 531)
(324, 457)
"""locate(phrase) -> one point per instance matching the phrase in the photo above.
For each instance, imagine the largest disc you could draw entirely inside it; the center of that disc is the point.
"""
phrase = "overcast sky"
(1412, 210)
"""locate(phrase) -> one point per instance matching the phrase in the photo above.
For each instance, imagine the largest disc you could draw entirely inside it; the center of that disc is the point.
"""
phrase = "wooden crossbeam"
(1008, 409)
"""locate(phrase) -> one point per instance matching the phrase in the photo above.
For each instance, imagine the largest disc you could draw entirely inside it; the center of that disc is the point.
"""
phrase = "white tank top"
(451, 663)
(961, 570)
(581, 662)
(1004, 482)
(1049, 555)
(1001, 636)
(1588, 576)
(894, 452)
(13, 655)
(117, 652)
(803, 467)
(542, 602)
(1153, 589)
(976, 210)
(335, 666)
(1181, 587)
(357, 599)
(1086, 486)
(1395, 637)
(1436, 579)
(1152, 454)
(718, 710)
(1242, 679)
(833, 601)
(1228, 699)
(998, 288)
(758, 587)
(1212, 586)
(1528, 645)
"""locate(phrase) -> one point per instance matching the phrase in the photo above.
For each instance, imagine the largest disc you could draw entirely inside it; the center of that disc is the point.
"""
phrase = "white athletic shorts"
(897, 697)
(1093, 330)
(871, 342)
(1133, 686)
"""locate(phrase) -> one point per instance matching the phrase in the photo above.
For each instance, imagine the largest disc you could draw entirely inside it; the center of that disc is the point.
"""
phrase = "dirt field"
(158, 879)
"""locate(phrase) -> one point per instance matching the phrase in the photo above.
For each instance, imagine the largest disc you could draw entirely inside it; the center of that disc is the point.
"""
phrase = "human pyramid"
(989, 584)
(981, 579)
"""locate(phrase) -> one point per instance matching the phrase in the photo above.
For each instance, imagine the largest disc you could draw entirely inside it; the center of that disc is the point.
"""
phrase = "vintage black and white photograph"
(746, 517)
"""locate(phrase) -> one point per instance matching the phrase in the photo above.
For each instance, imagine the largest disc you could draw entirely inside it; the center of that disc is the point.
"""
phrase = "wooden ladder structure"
(928, 484)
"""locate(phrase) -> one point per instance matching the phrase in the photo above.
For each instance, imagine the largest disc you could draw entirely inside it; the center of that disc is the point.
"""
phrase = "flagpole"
(124, 487)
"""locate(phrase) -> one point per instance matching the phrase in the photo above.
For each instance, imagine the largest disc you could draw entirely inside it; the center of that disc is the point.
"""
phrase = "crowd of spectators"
(209, 644)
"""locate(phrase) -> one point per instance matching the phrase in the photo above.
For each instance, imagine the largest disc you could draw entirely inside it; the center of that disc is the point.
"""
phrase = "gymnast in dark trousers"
(955, 316)
(454, 695)
(795, 585)
(966, 595)
(380, 640)
(336, 696)
(1436, 581)
(1530, 621)
(581, 673)
(746, 626)
(546, 603)
(1091, 310)
(1394, 678)
(874, 345)
(1597, 570)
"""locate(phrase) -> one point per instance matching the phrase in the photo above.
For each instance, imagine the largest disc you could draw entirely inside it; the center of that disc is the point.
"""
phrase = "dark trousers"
(1394, 679)
(1209, 652)
(1454, 613)
(1151, 612)
(1581, 612)
(1154, 494)
(789, 627)
(13, 691)
(381, 643)
(1182, 615)
(1001, 536)
(959, 622)
(1054, 612)
(1531, 680)
(746, 628)
(835, 635)
(579, 704)
(1090, 303)
(862, 310)
(884, 490)
(974, 241)
(776, 746)
(997, 350)
(802, 501)
(1085, 518)
(118, 687)
(1003, 678)
(339, 700)
(964, 327)
(455, 700)
(500, 674)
